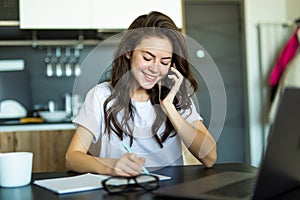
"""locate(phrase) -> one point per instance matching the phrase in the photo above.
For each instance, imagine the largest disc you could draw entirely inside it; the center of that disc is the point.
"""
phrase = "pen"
(127, 147)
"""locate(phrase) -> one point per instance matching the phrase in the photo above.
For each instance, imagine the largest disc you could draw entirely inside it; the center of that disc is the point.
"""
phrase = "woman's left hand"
(177, 78)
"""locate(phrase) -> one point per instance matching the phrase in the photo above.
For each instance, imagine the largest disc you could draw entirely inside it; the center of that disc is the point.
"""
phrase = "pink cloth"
(284, 58)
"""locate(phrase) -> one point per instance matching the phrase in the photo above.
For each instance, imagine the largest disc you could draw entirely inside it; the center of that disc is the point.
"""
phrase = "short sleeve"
(192, 114)
(91, 115)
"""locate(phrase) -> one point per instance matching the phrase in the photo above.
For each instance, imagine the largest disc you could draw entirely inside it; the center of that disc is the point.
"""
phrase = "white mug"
(15, 169)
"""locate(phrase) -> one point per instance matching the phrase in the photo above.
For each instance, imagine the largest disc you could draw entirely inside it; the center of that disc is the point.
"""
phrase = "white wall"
(292, 9)
(257, 11)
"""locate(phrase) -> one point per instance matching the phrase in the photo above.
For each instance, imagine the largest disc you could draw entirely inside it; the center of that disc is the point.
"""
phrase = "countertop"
(16, 125)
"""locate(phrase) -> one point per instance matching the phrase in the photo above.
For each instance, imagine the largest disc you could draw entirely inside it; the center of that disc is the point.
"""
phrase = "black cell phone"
(170, 81)
(166, 85)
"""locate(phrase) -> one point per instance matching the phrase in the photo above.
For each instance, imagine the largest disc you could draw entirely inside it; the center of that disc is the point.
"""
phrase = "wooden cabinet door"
(6, 142)
(48, 148)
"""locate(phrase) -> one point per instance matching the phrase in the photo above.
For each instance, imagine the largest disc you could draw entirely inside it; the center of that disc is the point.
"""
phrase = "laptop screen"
(279, 171)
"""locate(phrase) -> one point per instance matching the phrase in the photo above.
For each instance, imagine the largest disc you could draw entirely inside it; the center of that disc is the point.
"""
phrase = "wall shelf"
(9, 23)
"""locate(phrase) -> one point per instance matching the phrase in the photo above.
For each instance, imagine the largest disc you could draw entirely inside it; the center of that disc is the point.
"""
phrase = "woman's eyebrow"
(164, 58)
(167, 58)
(148, 52)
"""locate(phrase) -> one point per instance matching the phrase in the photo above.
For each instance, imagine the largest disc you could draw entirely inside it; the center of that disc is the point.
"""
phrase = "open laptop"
(279, 171)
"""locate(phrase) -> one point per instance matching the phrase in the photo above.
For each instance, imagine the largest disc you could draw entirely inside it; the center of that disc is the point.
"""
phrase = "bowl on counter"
(55, 116)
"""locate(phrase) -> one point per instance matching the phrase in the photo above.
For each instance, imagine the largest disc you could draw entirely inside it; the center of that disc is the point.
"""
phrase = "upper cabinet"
(92, 14)
(55, 14)
(118, 14)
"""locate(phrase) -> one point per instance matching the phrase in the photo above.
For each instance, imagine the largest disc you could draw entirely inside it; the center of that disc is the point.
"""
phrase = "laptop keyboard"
(238, 189)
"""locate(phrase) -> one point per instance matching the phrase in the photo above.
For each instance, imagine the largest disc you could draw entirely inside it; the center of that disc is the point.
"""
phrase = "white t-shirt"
(91, 116)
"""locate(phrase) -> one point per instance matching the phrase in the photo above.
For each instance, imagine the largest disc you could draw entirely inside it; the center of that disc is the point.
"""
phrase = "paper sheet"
(78, 183)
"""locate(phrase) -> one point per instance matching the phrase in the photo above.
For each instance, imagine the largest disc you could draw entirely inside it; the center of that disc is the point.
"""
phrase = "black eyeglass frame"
(130, 186)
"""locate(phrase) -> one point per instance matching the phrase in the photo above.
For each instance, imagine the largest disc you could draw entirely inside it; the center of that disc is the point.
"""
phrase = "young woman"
(146, 105)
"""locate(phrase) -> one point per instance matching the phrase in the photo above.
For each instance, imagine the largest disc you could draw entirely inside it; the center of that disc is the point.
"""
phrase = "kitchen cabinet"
(48, 147)
(112, 15)
(6, 142)
(92, 14)
(54, 14)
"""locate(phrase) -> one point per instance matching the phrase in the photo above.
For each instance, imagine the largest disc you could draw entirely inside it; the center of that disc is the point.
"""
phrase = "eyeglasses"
(122, 184)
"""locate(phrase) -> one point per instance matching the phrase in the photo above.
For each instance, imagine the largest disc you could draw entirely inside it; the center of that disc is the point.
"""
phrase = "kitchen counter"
(11, 127)
(47, 141)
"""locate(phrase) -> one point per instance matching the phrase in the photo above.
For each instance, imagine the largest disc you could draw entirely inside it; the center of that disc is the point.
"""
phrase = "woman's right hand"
(128, 165)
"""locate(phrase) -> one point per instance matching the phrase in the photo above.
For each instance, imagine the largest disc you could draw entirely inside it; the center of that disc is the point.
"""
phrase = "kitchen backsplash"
(32, 87)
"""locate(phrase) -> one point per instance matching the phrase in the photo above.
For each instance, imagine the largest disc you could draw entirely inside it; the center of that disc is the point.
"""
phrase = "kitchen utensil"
(12, 109)
(26, 120)
(49, 70)
(51, 106)
(68, 103)
(76, 104)
(58, 64)
(77, 69)
(58, 70)
(68, 69)
(55, 116)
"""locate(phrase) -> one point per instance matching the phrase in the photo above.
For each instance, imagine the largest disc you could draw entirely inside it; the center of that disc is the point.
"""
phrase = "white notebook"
(78, 183)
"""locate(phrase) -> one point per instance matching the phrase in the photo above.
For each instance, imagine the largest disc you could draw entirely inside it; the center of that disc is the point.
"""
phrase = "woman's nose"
(154, 67)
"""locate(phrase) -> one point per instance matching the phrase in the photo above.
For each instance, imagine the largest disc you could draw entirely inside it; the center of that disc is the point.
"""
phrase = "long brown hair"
(153, 24)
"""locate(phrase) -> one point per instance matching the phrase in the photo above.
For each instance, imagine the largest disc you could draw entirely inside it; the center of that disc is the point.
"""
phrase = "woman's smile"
(149, 78)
